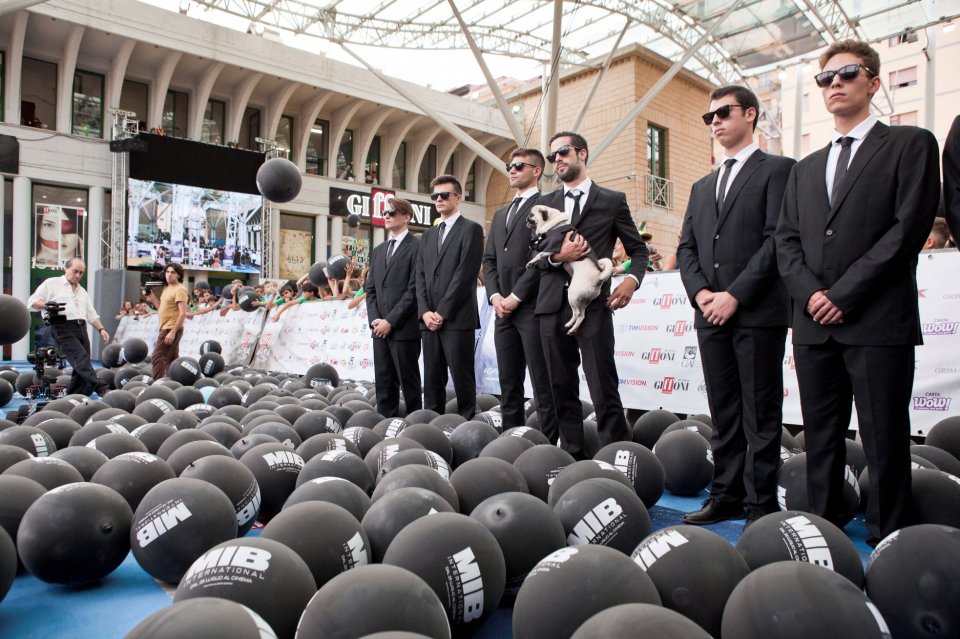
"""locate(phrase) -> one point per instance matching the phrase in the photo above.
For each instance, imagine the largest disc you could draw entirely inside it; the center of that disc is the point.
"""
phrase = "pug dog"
(587, 274)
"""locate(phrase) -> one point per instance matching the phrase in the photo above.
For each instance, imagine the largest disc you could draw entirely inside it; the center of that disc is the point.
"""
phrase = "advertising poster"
(58, 234)
(296, 247)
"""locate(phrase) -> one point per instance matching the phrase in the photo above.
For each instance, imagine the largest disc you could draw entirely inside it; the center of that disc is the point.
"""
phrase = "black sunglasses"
(389, 213)
(442, 195)
(723, 112)
(847, 73)
(518, 165)
(563, 151)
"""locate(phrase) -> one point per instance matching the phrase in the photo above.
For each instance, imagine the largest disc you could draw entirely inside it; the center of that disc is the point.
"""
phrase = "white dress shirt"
(858, 133)
(740, 158)
(449, 221)
(77, 300)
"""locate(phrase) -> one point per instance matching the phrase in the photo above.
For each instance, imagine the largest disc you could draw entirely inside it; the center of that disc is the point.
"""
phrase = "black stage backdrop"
(211, 166)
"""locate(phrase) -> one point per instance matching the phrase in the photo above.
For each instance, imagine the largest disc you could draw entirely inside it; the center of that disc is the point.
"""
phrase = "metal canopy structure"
(757, 36)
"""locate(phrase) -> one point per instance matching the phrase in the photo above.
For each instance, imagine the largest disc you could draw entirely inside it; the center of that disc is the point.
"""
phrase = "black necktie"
(443, 226)
(575, 196)
(513, 209)
(842, 163)
(390, 250)
(727, 168)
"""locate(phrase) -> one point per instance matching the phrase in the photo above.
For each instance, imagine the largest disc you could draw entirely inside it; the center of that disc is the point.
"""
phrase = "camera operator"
(69, 325)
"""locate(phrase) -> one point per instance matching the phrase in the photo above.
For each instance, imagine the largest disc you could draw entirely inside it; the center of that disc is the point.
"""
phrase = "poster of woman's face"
(59, 235)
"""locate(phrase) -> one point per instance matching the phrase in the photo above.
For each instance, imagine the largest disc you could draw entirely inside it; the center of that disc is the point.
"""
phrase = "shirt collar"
(451, 220)
(528, 193)
(583, 187)
(744, 153)
(858, 132)
(399, 238)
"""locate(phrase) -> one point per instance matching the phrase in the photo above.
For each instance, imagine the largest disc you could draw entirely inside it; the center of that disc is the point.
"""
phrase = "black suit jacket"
(447, 280)
(862, 249)
(733, 250)
(392, 288)
(951, 179)
(506, 254)
(604, 217)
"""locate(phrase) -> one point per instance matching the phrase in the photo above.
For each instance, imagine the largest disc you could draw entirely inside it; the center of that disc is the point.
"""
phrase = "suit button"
(716, 265)
(829, 232)
(716, 237)
(505, 249)
(436, 275)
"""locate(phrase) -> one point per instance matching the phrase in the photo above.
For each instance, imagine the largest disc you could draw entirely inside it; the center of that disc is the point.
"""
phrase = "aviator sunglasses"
(563, 151)
(723, 112)
(847, 73)
(441, 195)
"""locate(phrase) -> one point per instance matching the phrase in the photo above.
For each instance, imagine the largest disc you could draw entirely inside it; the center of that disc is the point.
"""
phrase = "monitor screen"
(202, 229)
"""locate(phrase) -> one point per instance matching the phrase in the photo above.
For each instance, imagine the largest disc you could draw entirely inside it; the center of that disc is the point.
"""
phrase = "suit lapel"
(452, 234)
(521, 214)
(749, 168)
(397, 250)
(588, 204)
(818, 172)
(868, 148)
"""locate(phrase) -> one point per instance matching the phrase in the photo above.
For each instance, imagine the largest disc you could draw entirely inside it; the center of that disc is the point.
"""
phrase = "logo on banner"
(657, 355)
(679, 328)
(702, 388)
(788, 361)
(645, 328)
(669, 384)
(667, 300)
(689, 357)
(932, 401)
(940, 327)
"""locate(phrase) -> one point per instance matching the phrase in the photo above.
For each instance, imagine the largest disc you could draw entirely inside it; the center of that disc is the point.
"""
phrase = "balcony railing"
(659, 191)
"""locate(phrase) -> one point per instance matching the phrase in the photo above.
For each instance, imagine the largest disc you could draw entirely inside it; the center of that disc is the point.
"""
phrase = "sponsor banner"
(237, 333)
(371, 205)
(657, 355)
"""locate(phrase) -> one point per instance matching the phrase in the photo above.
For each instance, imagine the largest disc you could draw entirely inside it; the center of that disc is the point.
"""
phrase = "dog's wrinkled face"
(543, 218)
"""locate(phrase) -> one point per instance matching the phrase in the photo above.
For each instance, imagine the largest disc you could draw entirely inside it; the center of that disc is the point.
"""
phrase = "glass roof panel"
(758, 34)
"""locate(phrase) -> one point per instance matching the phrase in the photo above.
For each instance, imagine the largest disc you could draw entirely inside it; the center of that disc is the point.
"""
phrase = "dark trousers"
(743, 369)
(880, 380)
(594, 342)
(519, 349)
(396, 364)
(164, 354)
(453, 349)
(75, 347)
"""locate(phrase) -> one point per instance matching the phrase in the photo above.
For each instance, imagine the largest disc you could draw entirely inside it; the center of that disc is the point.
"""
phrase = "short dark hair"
(309, 287)
(575, 138)
(400, 205)
(446, 178)
(869, 57)
(528, 153)
(743, 95)
(176, 268)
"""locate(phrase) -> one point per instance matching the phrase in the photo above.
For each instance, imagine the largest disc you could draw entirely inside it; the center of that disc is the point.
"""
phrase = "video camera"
(54, 314)
(47, 363)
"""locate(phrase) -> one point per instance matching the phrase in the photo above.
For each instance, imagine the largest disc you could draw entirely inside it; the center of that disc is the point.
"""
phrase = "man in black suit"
(951, 180)
(854, 217)
(600, 216)
(727, 261)
(512, 291)
(447, 269)
(391, 289)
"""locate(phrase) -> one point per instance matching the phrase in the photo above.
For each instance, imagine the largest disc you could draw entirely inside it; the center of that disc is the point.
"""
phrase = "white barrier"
(658, 360)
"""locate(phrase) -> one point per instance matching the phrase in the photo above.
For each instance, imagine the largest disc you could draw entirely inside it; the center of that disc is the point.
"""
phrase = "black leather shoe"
(753, 514)
(714, 511)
